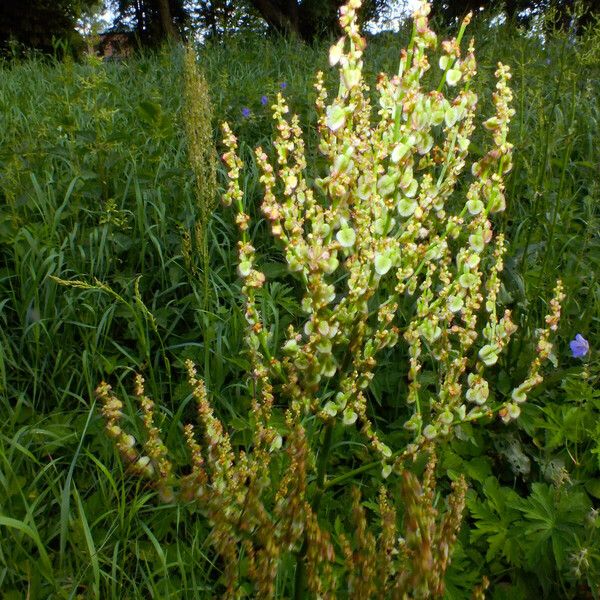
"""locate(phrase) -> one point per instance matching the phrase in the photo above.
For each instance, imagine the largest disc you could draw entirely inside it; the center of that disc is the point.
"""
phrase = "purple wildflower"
(283, 85)
(579, 346)
(245, 112)
(264, 100)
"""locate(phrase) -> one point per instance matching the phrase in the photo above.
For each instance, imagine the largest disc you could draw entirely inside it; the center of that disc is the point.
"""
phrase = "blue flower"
(264, 100)
(283, 85)
(245, 112)
(579, 346)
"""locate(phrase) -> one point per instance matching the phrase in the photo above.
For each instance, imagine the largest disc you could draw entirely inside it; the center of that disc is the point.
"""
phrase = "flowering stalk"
(371, 220)
(197, 118)
(383, 261)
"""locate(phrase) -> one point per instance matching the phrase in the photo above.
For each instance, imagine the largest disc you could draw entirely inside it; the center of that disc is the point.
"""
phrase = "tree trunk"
(319, 18)
(308, 19)
(139, 19)
(279, 15)
(167, 28)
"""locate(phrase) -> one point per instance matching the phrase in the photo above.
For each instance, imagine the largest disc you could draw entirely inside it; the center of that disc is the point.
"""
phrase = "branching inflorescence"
(397, 220)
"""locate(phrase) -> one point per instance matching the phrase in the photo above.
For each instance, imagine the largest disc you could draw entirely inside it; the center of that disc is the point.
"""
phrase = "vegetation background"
(96, 185)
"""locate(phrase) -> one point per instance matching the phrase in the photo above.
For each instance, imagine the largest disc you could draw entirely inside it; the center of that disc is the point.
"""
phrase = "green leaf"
(150, 112)
(592, 486)
(479, 468)
(553, 520)
(496, 521)
(45, 565)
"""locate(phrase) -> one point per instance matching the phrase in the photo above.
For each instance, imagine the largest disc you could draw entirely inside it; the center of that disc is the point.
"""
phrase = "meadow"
(98, 188)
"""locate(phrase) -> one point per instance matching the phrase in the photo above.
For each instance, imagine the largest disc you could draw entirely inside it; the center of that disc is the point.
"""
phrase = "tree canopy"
(559, 13)
(309, 19)
(38, 23)
(217, 18)
(153, 21)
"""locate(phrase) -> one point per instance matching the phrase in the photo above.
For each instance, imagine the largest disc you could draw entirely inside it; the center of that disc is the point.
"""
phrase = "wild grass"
(96, 185)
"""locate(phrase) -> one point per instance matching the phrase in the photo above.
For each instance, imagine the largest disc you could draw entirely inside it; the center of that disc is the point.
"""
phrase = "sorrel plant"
(382, 260)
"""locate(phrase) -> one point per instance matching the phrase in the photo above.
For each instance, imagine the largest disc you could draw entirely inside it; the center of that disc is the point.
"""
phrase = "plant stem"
(358, 471)
(300, 577)
(563, 173)
(322, 465)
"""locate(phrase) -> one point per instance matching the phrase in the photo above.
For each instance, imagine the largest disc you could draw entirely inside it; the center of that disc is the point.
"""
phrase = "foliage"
(561, 14)
(154, 21)
(217, 19)
(534, 497)
(41, 25)
(310, 19)
(101, 198)
(369, 215)
(71, 523)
